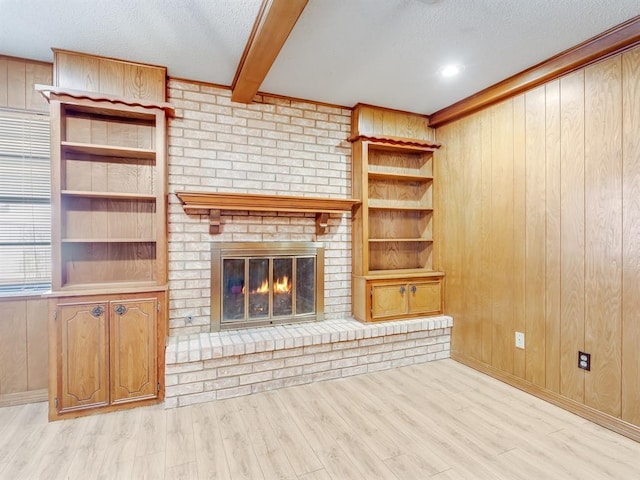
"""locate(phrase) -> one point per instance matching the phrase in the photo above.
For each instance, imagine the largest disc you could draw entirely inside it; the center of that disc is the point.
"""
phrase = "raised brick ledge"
(214, 366)
(206, 346)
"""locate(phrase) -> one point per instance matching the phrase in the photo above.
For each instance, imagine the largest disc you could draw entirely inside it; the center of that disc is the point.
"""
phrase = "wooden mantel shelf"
(217, 201)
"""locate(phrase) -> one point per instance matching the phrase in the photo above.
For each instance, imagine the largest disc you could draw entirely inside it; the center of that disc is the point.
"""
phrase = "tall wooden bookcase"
(394, 272)
(109, 240)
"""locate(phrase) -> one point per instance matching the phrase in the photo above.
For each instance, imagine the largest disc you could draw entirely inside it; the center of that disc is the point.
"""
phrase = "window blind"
(25, 209)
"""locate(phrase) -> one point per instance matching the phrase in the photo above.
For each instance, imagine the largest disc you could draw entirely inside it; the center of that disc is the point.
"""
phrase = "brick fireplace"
(273, 146)
(266, 283)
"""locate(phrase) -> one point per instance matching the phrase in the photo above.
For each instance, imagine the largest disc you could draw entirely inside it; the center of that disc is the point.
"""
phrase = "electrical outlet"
(519, 340)
(584, 361)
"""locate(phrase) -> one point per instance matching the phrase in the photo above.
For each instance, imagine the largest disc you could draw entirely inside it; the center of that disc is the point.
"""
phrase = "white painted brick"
(360, 369)
(221, 383)
(185, 389)
(174, 368)
(234, 370)
(256, 377)
(233, 392)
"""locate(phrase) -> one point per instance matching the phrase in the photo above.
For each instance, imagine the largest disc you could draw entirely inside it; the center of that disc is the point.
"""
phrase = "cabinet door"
(388, 300)
(425, 297)
(134, 372)
(83, 370)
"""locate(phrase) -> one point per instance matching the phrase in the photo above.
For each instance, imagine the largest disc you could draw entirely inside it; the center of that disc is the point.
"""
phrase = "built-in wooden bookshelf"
(394, 274)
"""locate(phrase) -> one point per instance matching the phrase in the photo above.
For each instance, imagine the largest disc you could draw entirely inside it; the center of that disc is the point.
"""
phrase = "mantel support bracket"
(214, 221)
(322, 220)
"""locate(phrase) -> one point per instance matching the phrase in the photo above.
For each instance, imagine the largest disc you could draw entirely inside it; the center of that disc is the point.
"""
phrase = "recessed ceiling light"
(451, 70)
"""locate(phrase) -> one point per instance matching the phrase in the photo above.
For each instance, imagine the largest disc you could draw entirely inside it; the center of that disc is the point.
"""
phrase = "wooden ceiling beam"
(273, 25)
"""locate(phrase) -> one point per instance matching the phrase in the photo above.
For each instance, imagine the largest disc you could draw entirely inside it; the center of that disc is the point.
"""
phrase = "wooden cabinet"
(107, 353)
(394, 241)
(109, 251)
(393, 299)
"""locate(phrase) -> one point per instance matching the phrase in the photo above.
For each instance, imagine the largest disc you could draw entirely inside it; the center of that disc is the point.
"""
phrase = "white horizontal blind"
(25, 209)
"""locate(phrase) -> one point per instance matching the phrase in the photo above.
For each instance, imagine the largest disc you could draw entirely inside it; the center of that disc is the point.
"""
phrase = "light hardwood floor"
(439, 420)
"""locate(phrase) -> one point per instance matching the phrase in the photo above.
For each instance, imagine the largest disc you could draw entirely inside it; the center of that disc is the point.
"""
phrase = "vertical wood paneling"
(603, 227)
(13, 347)
(535, 241)
(552, 269)
(631, 237)
(117, 77)
(484, 118)
(519, 229)
(17, 80)
(448, 165)
(474, 276)
(572, 214)
(37, 343)
(502, 236)
(4, 81)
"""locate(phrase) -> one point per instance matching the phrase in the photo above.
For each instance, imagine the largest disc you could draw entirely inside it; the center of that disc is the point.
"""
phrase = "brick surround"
(274, 145)
(213, 366)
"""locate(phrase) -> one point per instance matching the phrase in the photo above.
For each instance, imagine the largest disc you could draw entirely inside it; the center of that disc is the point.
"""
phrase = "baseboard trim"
(603, 419)
(20, 398)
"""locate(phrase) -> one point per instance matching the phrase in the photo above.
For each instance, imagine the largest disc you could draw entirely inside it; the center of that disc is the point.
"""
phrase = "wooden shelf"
(389, 240)
(108, 150)
(404, 273)
(109, 195)
(108, 240)
(216, 201)
(373, 206)
(399, 176)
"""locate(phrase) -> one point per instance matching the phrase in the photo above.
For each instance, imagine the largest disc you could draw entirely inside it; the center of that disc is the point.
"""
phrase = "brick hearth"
(213, 366)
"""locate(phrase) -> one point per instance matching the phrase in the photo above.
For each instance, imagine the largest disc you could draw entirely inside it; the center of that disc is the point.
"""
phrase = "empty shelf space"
(108, 150)
(113, 195)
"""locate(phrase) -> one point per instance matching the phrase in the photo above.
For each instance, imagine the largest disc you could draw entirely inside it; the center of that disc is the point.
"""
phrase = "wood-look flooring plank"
(365, 460)
(149, 467)
(291, 437)
(446, 420)
(120, 452)
(241, 458)
(211, 460)
(317, 475)
(274, 462)
(180, 447)
(151, 438)
(325, 447)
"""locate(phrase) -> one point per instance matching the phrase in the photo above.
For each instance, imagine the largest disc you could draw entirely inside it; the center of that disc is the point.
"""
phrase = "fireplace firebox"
(266, 283)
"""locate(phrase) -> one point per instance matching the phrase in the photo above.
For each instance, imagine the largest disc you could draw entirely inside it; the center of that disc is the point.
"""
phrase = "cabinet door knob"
(413, 289)
(402, 290)
(120, 309)
(97, 311)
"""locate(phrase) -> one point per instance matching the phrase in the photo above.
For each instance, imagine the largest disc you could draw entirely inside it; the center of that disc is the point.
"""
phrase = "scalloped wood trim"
(402, 141)
(47, 90)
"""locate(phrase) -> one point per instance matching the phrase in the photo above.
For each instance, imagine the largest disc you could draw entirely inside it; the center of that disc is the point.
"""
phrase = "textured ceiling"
(383, 52)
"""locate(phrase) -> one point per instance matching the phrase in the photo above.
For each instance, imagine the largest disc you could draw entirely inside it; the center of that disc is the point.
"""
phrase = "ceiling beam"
(273, 25)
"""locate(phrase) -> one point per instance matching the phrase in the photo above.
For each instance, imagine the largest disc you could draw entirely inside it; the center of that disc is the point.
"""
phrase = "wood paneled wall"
(23, 350)
(540, 233)
(17, 78)
(23, 321)
(91, 73)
